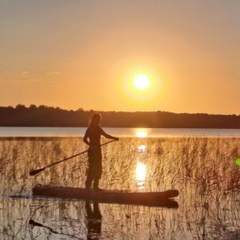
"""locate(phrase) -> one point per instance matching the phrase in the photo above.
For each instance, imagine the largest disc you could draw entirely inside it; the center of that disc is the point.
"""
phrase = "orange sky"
(84, 54)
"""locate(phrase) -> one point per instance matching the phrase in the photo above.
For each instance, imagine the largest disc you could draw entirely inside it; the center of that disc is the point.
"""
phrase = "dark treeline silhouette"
(44, 116)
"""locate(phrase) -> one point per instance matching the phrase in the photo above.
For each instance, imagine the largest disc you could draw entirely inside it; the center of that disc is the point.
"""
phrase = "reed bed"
(202, 169)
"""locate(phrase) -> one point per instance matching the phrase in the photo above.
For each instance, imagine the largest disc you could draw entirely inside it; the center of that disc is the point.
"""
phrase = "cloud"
(25, 72)
(52, 73)
(23, 76)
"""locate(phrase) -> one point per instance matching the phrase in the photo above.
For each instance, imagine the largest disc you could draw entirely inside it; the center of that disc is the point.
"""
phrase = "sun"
(141, 82)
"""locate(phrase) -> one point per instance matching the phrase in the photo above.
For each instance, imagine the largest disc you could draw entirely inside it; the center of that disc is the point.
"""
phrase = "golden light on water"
(141, 133)
(141, 168)
(141, 148)
(140, 172)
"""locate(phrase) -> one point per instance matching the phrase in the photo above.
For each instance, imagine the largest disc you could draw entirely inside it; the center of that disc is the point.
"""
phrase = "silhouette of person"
(92, 138)
(94, 224)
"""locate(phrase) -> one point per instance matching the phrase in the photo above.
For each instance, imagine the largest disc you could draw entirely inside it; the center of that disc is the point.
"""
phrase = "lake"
(200, 163)
(121, 132)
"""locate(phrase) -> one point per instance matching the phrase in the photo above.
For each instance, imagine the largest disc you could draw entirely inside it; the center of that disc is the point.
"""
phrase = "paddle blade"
(34, 172)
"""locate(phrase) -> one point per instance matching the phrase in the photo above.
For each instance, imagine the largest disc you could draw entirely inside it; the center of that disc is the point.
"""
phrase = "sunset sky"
(85, 54)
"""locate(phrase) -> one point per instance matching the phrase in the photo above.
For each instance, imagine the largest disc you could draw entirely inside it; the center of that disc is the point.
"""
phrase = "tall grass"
(202, 169)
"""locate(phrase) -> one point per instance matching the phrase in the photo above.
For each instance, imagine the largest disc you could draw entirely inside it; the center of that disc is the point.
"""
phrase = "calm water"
(199, 163)
(121, 132)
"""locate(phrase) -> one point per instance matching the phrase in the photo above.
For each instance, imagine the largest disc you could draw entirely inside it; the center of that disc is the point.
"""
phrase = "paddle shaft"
(34, 172)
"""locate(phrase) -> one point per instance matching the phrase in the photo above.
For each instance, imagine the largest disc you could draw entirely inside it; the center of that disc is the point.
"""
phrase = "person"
(92, 138)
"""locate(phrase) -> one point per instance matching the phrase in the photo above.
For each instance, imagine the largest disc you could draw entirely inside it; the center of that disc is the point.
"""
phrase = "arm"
(109, 136)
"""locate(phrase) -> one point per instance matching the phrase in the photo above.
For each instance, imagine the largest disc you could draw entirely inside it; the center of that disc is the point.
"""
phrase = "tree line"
(45, 116)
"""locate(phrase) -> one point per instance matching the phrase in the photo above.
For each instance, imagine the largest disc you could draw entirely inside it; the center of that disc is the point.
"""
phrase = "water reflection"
(94, 219)
(202, 169)
(141, 175)
(141, 148)
(141, 133)
(33, 224)
(141, 168)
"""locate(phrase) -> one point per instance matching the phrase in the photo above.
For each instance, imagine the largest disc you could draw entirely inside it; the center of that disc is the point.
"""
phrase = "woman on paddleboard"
(92, 139)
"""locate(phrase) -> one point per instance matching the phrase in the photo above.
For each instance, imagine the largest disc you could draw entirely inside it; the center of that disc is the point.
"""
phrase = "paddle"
(34, 172)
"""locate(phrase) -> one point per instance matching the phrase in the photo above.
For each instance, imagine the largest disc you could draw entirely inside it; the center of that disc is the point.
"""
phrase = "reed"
(202, 169)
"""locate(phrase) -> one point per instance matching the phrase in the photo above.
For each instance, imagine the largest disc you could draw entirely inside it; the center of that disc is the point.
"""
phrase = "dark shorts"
(95, 162)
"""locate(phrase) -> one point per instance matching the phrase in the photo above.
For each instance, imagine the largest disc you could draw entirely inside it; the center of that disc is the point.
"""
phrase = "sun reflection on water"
(141, 148)
(141, 171)
(141, 133)
(141, 167)
(141, 175)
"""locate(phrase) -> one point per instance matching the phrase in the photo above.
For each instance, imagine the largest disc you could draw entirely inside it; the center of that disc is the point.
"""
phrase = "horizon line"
(117, 111)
